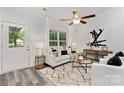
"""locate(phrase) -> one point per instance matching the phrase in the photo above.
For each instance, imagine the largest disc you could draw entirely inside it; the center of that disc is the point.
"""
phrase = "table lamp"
(73, 44)
(39, 46)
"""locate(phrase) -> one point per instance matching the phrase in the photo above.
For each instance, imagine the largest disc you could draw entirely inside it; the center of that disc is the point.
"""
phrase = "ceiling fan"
(76, 19)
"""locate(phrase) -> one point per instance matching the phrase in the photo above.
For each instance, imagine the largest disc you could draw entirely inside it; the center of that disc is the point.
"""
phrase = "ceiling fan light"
(76, 16)
(76, 21)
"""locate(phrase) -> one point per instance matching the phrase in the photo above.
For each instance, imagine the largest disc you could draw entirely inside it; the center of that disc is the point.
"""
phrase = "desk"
(96, 54)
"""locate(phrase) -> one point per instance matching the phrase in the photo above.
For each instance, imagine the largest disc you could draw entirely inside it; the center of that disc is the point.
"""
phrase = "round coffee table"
(83, 63)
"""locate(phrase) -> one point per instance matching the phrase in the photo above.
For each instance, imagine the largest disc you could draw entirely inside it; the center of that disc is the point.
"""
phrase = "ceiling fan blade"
(89, 16)
(65, 19)
(70, 23)
(83, 22)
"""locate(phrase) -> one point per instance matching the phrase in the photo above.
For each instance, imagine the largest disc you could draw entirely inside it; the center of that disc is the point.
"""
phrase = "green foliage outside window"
(53, 35)
(16, 37)
(62, 36)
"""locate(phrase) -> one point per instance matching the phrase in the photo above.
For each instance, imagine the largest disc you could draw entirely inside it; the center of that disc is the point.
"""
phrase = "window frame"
(11, 36)
(58, 38)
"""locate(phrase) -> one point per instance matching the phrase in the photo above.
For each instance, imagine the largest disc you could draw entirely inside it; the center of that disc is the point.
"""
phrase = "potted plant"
(81, 55)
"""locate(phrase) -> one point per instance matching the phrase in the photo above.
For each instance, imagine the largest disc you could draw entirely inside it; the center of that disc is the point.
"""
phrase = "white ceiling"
(66, 12)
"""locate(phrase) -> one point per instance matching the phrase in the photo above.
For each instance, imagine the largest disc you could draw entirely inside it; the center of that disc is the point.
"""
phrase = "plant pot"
(80, 57)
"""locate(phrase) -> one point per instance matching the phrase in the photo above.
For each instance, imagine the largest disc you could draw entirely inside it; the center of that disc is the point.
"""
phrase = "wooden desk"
(96, 54)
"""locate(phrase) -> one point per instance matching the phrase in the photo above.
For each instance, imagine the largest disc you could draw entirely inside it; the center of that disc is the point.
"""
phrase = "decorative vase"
(80, 57)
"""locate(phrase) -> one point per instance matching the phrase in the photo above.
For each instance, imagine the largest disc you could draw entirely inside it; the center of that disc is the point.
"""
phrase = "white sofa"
(107, 75)
(53, 61)
(56, 61)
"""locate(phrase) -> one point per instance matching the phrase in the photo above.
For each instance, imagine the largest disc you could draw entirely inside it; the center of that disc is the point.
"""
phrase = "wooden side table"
(39, 62)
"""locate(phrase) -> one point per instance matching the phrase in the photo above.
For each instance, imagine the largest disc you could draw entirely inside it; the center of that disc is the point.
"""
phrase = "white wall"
(80, 35)
(0, 38)
(112, 21)
(37, 25)
(54, 25)
(34, 22)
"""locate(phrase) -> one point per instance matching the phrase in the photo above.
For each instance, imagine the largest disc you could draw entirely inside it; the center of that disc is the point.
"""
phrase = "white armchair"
(107, 75)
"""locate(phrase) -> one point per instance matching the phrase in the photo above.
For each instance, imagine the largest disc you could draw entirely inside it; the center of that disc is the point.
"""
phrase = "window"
(53, 38)
(57, 38)
(16, 37)
(62, 38)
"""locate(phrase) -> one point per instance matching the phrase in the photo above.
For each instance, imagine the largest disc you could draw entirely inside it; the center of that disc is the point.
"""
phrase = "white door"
(15, 46)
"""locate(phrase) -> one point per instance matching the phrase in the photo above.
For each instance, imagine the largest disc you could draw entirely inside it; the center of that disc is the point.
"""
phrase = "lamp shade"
(39, 45)
(73, 44)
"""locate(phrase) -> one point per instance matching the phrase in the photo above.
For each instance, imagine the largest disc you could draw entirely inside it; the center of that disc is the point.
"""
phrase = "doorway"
(15, 46)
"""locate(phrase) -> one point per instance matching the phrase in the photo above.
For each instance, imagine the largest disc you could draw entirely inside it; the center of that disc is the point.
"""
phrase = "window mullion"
(58, 38)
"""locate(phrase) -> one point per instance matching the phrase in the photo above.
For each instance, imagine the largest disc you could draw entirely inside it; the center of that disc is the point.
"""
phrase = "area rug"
(67, 75)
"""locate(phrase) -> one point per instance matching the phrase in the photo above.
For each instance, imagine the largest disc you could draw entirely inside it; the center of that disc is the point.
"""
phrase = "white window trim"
(58, 41)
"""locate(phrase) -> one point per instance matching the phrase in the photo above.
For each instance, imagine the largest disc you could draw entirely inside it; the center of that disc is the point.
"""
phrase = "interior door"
(15, 46)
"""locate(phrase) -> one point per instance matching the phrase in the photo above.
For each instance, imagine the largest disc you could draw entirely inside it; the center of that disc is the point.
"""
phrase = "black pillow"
(64, 52)
(114, 61)
(73, 51)
(120, 54)
(54, 50)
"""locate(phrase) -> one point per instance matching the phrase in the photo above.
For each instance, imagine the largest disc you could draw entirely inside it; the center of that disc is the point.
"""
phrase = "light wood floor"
(24, 77)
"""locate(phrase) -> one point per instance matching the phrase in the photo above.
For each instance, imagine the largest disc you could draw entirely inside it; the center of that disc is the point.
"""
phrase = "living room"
(43, 32)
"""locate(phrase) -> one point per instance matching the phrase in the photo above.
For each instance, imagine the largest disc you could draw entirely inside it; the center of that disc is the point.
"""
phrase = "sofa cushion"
(73, 52)
(48, 51)
(61, 58)
(69, 50)
(55, 52)
(120, 54)
(64, 52)
(114, 61)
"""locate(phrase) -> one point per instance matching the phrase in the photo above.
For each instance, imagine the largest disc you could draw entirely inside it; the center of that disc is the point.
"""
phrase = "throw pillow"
(55, 53)
(114, 61)
(53, 50)
(64, 52)
(120, 54)
(73, 51)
